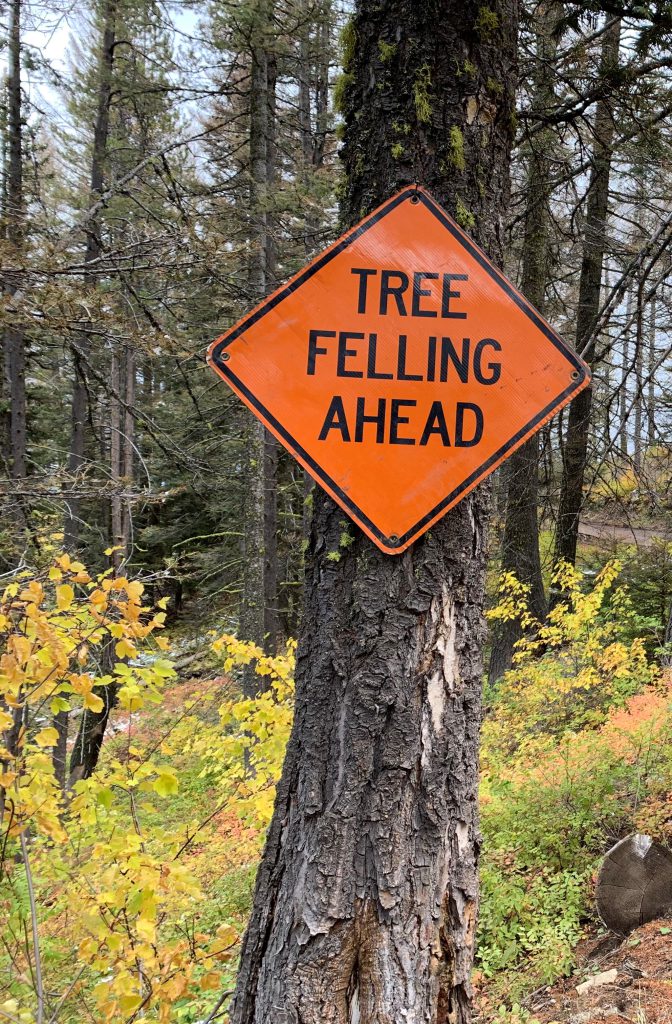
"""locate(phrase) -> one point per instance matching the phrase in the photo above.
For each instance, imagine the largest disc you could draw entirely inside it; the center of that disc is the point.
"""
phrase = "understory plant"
(576, 754)
(123, 895)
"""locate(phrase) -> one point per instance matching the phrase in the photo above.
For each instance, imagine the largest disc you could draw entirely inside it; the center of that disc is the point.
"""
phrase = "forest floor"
(631, 981)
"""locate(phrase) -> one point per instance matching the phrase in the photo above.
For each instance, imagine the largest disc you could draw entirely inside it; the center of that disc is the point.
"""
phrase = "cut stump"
(634, 884)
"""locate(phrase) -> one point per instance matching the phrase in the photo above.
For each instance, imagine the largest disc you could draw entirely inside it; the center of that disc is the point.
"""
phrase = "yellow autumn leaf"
(135, 590)
(211, 981)
(174, 987)
(129, 1004)
(146, 929)
(125, 649)
(65, 595)
(6, 720)
(93, 702)
(47, 737)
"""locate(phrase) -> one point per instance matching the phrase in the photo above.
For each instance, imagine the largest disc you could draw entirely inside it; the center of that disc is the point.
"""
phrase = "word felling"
(400, 368)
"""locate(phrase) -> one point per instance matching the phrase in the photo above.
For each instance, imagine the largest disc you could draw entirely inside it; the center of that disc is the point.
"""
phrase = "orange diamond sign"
(400, 368)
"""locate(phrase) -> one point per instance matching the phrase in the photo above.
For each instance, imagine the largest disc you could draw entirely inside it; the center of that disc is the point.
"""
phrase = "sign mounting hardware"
(400, 368)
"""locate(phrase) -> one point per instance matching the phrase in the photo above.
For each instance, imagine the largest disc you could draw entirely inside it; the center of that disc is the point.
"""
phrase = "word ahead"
(400, 368)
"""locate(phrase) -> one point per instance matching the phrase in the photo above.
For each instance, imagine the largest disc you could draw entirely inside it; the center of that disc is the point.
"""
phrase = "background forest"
(165, 165)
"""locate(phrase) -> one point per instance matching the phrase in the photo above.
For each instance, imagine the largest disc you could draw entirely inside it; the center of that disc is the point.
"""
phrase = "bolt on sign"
(400, 368)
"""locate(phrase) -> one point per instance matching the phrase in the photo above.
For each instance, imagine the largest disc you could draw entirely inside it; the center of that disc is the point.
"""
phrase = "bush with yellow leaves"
(104, 914)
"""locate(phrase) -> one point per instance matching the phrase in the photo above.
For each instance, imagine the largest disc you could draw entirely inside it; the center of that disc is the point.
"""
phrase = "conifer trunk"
(639, 381)
(80, 396)
(91, 731)
(258, 606)
(651, 376)
(15, 350)
(625, 374)
(116, 470)
(365, 904)
(575, 452)
(520, 543)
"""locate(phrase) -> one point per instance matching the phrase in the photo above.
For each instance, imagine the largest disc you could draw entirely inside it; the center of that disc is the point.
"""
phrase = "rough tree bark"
(520, 543)
(575, 452)
(365, 903)
(89, 739)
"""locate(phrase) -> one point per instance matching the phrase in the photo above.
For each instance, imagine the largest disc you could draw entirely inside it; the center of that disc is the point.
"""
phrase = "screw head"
(225, 357)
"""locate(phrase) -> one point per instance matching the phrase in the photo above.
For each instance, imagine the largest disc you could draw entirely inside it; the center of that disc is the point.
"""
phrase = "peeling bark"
(366, 897)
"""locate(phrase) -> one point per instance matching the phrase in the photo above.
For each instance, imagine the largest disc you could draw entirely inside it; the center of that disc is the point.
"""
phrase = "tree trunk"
(128, 452)
(86, 750)
(520, 543)
(595, 239)
(324, 44)
(116, 471)
(625, 373)
(313, 67)
(80, 397)
(651, 377)
(258, 607)
(15, 350)
(365, 903)
(59, 756)
(639, 381)
(91, 732)
(271, 452)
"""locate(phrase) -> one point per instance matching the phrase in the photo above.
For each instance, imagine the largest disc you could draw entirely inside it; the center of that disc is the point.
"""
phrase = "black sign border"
(410, 194)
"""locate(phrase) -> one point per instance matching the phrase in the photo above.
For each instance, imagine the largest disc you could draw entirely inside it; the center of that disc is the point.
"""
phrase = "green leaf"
(105, 797)
(166, 784)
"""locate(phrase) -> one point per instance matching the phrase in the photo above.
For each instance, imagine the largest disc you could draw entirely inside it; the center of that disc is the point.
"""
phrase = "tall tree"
(128, 90)
(575, 450)
(365, 903)
(520, 542)
(258, 606)
(94, 248)
(79, 409)
(14, 339)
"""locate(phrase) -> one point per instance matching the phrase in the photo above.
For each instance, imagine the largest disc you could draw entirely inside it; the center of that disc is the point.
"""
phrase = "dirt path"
(613, 533)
